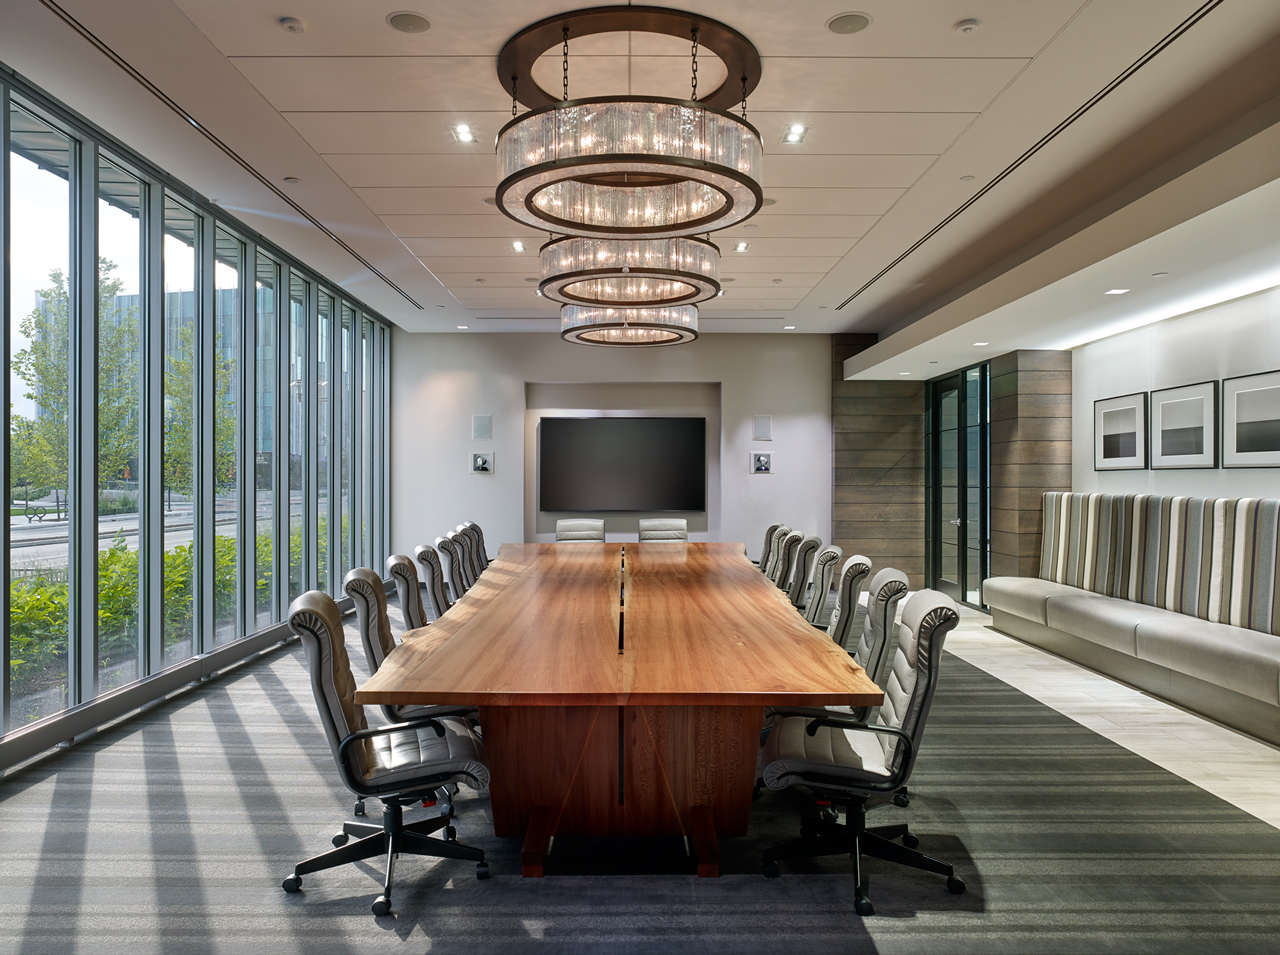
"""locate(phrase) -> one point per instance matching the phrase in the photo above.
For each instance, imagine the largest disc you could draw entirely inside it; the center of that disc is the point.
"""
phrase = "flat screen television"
(622, 464)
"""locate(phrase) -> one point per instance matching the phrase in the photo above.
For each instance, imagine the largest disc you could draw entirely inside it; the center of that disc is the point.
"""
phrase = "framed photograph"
(761, 463)
(1120, 433)
(482, 462)
(1184, 426)
(1251, 421)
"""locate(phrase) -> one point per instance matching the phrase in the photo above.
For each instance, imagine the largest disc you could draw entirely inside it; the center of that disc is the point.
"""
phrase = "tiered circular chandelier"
(629, 181)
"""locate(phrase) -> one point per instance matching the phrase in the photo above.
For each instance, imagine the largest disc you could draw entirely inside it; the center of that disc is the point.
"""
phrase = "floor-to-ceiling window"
(191, 423)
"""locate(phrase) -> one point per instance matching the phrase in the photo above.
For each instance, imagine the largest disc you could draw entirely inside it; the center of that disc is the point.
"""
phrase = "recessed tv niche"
(622, 464)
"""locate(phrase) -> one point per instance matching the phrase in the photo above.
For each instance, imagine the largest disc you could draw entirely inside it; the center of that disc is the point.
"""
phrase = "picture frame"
(1120, 433)
(1184, 426)
(761, 463)
(482, 462)
(1251, 421)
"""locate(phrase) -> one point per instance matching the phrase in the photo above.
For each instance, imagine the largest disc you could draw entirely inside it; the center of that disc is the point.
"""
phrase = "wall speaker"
(481, 427)
(763, 428)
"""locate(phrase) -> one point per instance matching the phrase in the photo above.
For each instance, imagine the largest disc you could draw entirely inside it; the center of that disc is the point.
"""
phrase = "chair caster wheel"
(864, 907)
(482, 871)
(910, 841)
(902, 800)
(829, 815)
(955, 886)
(340, 839)
(771, 870)
(450, 834)
(292, 884)
(359, 809)
(382, 905)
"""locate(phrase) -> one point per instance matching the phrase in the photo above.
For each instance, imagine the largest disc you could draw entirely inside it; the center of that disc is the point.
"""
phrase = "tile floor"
(1237, 768)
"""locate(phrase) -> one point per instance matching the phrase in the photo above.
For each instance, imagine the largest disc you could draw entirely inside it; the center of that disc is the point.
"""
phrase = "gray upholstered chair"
(400, 764)
(874, 652)
(453, 554)
(433, 575)
(848, 609)
(665, 529)
(849, 761)
(404, 573)
(798, 588)
(786, 559)
(463, 543)
(478, 533)
(473, 551)
(580, 529)
(824, 570)
(770, 567)
(763, 562)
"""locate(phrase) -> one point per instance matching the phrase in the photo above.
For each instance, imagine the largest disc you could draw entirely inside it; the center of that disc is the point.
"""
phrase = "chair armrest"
(352, 778)
(891, 782)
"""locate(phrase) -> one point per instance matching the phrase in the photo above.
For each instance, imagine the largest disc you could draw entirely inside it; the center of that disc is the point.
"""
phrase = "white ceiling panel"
(409, 131)
(840, 172)
(494, 224)
(739, 265)
(830, 202)
(860, 133)
(438, 200)
(463, 279)
(486, 265)
(618, 75)
(796, 227)
(456, 172)
(764, 279)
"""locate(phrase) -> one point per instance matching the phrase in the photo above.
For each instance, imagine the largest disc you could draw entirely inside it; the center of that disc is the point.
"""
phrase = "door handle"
(956, 521)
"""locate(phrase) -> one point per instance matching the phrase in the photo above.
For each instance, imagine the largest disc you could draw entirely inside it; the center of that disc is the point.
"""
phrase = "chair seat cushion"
(1245, 661)
(1106, 621)
(789, 750)
(1024, 596)
(412, 753)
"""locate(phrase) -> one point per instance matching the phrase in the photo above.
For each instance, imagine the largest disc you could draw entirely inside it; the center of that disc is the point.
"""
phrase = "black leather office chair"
(433, 575)
(400, 764)
(404, 573)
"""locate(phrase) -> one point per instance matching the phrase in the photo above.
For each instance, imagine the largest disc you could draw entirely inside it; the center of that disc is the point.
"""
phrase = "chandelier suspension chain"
(744, 97)
(694, 97)
(513, 94)
(566, 64)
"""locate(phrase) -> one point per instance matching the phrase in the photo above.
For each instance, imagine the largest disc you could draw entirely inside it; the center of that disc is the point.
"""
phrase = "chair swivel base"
(391, 839)
(822, 837)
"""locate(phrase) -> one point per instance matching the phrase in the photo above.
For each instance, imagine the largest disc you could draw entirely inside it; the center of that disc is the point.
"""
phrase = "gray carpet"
(171, 833)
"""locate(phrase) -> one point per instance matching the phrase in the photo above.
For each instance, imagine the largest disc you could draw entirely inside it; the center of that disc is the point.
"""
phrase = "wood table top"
(569, 624)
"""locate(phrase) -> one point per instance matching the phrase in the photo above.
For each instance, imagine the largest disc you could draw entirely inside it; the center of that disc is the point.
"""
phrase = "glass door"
(957, 486)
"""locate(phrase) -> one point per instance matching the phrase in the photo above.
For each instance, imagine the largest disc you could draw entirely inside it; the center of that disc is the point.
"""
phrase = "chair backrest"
(775, 551)
(463, 543)
(786, 557)
(874, 652)
(477, 535)
(848, 593)
(580, 529)
(404, 572)
(665, 529)
(824, 569)
(473, 548)
(433, 574)
(908, 693)
(367, 593)
(315, 618)
(799, 586)
(768, 545)
(453, 555)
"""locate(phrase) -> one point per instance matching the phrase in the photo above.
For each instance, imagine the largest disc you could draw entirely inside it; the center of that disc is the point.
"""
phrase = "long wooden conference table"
(621, 686)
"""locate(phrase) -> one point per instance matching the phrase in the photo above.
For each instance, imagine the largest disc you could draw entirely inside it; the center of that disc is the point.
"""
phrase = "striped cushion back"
(1212, 558)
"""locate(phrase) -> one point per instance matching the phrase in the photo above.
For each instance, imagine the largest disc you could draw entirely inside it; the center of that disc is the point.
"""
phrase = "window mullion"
(280, 444)
(246, 459)
(203, 523)
(151, 505)
(5, 719)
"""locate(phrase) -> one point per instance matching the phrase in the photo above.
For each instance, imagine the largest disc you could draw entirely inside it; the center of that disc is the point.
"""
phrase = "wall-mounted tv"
(622, 464)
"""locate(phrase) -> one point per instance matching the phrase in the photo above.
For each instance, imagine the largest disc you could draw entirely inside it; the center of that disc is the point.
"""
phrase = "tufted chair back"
(799, 586)
(453, 554)
(848, 593)
(478, 533)
(433, 574)
(665, 529)
(824, 569)
(367, 593)
(775, 551)
(473, 552)
(786, 558)
(767, 546)
(580, 529)
(875, 645)
(315, 618)
(908, 692)
(405, 574)
(463, 542)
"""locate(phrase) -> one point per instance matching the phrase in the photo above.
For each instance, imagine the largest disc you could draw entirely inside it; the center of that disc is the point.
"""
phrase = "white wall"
(439, 381)
(1238, 338)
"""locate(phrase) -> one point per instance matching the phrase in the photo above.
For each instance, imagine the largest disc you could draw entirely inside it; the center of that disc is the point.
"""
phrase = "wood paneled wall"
(1030, 452)
(878, 473)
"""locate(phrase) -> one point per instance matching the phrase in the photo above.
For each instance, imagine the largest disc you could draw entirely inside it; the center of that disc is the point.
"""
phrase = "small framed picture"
(761, 463)
(1184, 426)
(482, 462)
(1251, 421)
(1120, 433)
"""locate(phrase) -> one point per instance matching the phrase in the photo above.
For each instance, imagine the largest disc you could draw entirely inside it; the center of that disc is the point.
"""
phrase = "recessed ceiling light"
(822, 306)
(847, 23)
(1158, 275)
(967, 26)
(980, 344)
(728, 280)
(463, 133)
(769, 202)
(751, 226)
(777, 281)
(408, 22)
(439, 306)
(531, 279)
(794, 134)
(292, 180)
(482, 281)
(933, 362)
(788, 328)
(742, 246)
(464, 326)
(292, 24)
(967, 178)
(517, 246)
(489, 201)
(904, 372)
(1115, 291)
(720, 293)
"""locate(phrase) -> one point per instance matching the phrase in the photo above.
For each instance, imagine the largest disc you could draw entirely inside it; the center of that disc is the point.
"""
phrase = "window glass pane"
(264, 449)
(179, 433)
(298, 289)
(120, 197)
(366, 442)
(324, 331)
(228, 268)
(39, 549)
(345, 396)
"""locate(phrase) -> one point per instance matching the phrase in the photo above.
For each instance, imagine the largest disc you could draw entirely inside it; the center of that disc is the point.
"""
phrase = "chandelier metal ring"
(629, 327)
(636, 272)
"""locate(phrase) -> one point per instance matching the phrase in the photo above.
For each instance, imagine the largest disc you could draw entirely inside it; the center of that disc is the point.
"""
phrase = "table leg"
(704, 841)
(533, 854)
